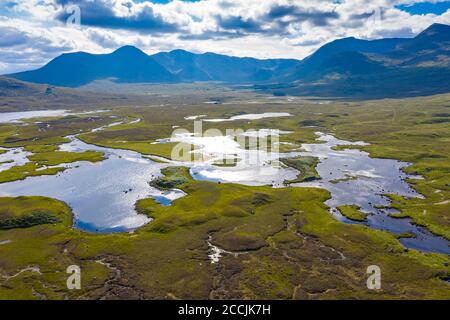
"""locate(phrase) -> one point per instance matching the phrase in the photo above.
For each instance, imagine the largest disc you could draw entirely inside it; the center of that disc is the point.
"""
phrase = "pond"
(354, 178)
(252, 116)
(253, 167)
(14, 117)
(103, 195)
(13, 157)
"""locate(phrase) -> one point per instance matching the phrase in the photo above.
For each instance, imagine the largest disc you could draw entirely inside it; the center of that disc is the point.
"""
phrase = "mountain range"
(128, 64)
(342, 68)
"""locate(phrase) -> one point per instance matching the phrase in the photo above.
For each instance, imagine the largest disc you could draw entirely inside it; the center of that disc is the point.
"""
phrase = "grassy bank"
(284, 242)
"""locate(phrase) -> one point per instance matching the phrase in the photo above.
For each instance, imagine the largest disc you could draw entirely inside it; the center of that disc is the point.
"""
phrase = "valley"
(224, 158)
(100, 189)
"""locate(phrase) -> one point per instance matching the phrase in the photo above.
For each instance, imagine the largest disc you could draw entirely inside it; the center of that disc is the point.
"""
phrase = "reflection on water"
(252, 116)
(254, 167)
(13, 157)
(354, 178)
(195, 117)
(14, 117)
(102, 195)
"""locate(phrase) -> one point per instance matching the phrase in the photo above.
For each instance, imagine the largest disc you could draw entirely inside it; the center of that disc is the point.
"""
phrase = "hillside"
(346, 67)
(131, 65)
(372, 69)
(17, 95)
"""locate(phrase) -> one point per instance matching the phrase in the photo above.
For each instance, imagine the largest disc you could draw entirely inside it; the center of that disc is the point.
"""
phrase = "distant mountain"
(130, 65)
(183, 64)
(215, 67)
(127, 64)
(342, 68)
(381, 68)
(431, 48)
(436, 37)
(333, 55)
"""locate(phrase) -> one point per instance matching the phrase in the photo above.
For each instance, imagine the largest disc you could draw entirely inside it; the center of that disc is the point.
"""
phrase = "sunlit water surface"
(103, 195)
(15, 117)
(354, 178)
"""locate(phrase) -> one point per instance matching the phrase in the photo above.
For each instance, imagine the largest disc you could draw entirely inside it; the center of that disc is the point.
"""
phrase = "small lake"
(8, 117)
(354, 178)
(251, 116)
(253, 167)
(103, 195)
(16, 116)
(13, 157)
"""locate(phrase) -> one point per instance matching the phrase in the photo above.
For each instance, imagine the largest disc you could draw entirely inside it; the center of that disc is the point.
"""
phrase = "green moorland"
(306, 166)
(286, 242)
(42, 140)
(352, 212)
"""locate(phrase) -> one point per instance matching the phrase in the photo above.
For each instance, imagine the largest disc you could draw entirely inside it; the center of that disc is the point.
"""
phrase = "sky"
(32, 32)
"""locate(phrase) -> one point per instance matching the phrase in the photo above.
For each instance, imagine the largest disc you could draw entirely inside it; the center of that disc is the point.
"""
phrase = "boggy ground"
(282, 243)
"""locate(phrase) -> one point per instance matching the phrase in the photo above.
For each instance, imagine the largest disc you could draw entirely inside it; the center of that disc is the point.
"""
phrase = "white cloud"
(259, 28)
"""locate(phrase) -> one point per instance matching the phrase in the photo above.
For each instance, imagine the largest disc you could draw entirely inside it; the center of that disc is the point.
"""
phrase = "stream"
(103, 195)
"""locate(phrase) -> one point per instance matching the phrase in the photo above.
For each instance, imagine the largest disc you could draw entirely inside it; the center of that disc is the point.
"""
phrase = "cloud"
(34, 31)
(239, 24)
(212, 35)
(118, 15)
(362, 16)
(20, 50)
(295, 13)
(104, 39)
(275, 18)
(10, 37)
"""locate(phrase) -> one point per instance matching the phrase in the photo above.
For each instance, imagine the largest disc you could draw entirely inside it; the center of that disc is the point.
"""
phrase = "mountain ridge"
(131, 65)
(339, 61)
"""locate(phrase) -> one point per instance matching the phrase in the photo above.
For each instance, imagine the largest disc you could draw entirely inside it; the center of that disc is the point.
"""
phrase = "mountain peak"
(180, 51)
(349, 57)
(129, 50)
(436, 28)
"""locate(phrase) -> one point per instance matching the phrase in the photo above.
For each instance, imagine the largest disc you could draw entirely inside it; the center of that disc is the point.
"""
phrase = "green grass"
(40, 160)
(289, 245)
(43, 143)
(168, 257)
(353, 212)
(174, 177)
(405, 235)
(27, 170)
(34, 209)
(59, 157)
(33, 219)
(306, 166)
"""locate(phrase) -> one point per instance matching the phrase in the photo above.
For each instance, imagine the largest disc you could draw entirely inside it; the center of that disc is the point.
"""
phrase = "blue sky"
(425, 8)
(32, 32)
